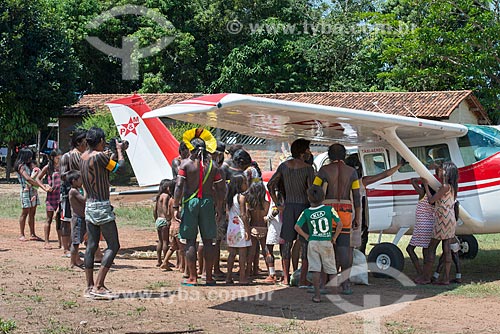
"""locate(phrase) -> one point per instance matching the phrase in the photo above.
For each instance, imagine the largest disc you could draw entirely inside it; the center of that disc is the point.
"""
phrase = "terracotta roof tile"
(431, 105)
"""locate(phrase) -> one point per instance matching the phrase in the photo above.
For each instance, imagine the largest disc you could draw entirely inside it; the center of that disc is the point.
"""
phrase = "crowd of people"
(317, 217)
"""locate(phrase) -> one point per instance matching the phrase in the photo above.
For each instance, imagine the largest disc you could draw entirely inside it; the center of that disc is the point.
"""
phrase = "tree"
(454, 45)
(38, 68)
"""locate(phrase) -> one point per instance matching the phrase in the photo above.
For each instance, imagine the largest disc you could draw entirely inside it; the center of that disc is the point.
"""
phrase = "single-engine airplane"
(382, 139)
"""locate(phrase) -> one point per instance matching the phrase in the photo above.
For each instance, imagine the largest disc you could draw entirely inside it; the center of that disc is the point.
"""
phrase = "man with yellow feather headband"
(200, 191)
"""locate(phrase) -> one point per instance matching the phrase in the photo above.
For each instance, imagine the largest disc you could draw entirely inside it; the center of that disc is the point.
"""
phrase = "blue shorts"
(78, 229)
(29, 198)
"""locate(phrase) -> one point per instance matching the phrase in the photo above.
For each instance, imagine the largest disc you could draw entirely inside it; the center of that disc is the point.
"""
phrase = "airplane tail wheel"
(468, 246)
(386, 260)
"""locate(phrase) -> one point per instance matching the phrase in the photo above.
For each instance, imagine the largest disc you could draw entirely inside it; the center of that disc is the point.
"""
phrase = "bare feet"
(441, 283)
(421, 281)
(270, 279)
(36, 238)
(22, 238)
(77, 265)
(47, 246)
(165, 266)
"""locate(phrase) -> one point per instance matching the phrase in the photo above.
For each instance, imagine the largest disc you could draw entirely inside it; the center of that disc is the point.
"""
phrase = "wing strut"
(390, 135)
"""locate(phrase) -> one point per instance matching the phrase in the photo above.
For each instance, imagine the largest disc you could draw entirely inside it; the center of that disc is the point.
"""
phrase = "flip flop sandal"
(22, 238)
(188, 284)
(35, 238)
(103, 295)
(316, 300)
(321, 291)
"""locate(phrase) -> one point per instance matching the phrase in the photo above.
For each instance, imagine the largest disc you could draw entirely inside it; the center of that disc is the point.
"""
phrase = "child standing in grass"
(162, 216)
(238, 230)
(320, 254)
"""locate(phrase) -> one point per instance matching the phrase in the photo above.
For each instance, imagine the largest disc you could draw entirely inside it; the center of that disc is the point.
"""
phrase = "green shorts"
(198, 213)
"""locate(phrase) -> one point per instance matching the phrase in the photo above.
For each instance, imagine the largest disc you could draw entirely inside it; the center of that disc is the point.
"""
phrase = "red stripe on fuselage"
(163, 137)
(386, 193)
(484, 170)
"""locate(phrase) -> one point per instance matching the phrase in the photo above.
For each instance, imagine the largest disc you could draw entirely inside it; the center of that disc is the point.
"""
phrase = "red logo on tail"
(130, 127)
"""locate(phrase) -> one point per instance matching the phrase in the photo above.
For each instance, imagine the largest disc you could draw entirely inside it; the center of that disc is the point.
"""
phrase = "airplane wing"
(286, 120)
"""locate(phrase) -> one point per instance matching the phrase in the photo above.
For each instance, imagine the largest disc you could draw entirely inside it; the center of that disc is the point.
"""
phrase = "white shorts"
(320, 254)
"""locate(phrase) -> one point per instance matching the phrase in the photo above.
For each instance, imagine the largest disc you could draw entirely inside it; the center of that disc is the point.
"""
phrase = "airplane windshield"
(480, 143)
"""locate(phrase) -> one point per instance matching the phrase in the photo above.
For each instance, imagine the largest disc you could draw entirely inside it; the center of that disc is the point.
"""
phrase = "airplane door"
(379, 195)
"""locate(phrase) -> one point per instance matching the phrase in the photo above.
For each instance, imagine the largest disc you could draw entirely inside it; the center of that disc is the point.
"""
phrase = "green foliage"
(69, 304)
(55, 327)
(178, 128)
(7, 326)
(38, 67)
(101, 119)
(453, 46)
(104, 120)
(157, 285)
(283, 46)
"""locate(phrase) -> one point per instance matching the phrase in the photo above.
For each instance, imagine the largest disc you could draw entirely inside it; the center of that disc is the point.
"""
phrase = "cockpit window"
(480, 143)
(430, 155)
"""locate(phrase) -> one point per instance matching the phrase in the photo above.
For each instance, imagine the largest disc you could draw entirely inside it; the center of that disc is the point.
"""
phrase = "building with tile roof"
(448, 106)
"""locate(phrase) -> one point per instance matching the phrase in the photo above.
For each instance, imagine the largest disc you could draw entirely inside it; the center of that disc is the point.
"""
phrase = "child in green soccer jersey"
(320, 254)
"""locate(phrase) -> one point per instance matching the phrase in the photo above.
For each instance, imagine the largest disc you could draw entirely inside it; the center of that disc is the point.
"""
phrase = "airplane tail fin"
(152, 147)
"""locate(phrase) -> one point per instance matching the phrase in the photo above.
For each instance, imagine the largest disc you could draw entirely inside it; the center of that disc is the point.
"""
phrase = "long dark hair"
(52, 155)
(242, 159)
(235, 185)
(256, 195)
(23, 157)
(450, 176)
(163, 188)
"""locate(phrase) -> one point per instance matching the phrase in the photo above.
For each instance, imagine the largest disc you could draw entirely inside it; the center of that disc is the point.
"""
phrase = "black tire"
(386, 260)
(468, 246)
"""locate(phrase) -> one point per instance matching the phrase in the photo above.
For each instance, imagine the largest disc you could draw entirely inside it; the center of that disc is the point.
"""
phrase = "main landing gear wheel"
(468, 246)
(386, 260)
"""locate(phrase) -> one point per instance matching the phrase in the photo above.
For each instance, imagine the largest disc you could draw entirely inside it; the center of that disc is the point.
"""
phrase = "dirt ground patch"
(42, 295)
